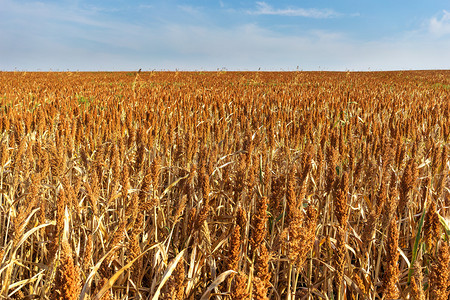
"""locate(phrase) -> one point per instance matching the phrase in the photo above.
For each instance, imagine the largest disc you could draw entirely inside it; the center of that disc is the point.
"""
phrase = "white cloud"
(48, 12)
(189, 9)
(43, 36)
(265, 9)
(145, 6)
(249, 46)
(440, 27)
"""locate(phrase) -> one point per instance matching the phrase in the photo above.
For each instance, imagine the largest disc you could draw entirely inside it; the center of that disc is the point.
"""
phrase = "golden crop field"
(225, 185)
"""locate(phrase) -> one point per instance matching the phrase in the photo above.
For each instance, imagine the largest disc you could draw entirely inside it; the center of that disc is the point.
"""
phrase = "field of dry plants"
(225, 185)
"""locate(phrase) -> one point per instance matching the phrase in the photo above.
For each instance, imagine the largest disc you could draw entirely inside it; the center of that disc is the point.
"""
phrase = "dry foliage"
(233, 185)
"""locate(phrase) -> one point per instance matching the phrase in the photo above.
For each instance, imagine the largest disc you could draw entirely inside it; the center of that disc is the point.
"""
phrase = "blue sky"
(236, 35)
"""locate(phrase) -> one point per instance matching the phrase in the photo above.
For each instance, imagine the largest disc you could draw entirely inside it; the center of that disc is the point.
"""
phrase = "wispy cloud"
(43, 35)
(145, 6)
(262, 8)
(440, 26)
(189, 9)
(48, 12)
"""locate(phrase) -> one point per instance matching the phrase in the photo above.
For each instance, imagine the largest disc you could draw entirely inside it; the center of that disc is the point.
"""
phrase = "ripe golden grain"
(291, 179)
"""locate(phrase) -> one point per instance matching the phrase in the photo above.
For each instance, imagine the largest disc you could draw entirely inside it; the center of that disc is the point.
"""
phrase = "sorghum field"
(225, 185)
